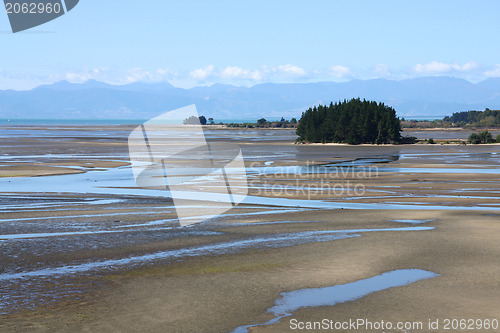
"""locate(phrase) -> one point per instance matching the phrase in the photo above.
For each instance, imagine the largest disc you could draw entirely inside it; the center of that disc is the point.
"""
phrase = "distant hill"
(420, 97)
(486, 118)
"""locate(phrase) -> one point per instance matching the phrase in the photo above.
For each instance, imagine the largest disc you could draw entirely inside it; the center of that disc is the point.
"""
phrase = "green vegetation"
(264, 123)
(465, 119)
(431, 141)
(409, 140)
(352, 122)
(261, 123)
(483, 137)
(484, 118)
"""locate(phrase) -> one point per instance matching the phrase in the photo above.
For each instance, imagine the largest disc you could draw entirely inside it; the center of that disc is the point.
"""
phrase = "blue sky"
(192, 43)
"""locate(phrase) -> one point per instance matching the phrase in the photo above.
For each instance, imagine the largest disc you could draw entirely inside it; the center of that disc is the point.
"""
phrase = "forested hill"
(352, 122)
(484, 118)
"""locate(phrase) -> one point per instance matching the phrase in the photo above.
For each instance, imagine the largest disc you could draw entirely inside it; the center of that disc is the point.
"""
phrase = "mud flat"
(221, 291)
(83, 249)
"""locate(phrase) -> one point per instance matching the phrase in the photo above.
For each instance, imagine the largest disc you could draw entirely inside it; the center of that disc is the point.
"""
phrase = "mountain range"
(425, 97)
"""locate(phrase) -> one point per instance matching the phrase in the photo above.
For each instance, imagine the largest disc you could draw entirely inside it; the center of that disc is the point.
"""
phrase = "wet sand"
(232, 269)
(219, 293)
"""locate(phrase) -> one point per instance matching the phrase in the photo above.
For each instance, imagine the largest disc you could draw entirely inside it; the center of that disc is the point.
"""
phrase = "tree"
(486, 137)
(211, 121)
(262, 122)
(203, 120)
(352, 122)
(484, 118)
(474, 138)
(483, 137)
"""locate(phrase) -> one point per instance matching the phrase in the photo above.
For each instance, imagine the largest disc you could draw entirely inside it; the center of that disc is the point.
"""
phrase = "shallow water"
(4, 208)
(472, 170)
(412, 221)
(329, 296)
(24, 285)
(274, 240)
(119, 181)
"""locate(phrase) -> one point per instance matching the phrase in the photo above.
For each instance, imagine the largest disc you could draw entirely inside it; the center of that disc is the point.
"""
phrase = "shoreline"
(416, 129)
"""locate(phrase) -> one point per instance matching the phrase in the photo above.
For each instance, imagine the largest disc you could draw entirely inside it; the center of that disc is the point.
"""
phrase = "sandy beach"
(83, 249)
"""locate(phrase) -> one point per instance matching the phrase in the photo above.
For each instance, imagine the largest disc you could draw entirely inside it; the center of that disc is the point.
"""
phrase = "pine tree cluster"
(354, 122)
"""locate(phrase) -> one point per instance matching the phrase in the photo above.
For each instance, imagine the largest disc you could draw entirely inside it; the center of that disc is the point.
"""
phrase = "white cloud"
(436, 67)
(104, 74)
(99, 74)
(432, 67)
(233, 72)
(339, 71)
(202, 73)
(292, 70)
(381, 69)
(76, 77)
(138, 74)
(495, 72)
(468, 66)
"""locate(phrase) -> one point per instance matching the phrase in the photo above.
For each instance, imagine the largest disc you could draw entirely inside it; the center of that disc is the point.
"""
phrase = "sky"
(202, 42)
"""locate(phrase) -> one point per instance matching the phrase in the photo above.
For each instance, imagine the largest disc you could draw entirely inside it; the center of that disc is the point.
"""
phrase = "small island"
(354, 122)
